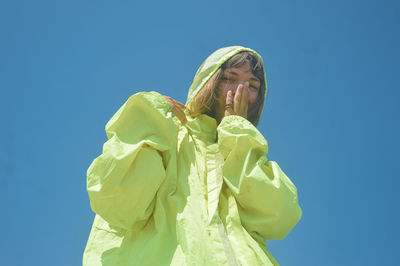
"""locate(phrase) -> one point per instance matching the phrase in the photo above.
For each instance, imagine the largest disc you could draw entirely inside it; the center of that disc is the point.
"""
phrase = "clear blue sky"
(331, 119)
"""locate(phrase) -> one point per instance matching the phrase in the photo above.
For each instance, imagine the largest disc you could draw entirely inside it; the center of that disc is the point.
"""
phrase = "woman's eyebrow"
(232, 72)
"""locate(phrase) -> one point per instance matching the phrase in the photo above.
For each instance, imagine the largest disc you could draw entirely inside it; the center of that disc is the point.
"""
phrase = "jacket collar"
(203, 127)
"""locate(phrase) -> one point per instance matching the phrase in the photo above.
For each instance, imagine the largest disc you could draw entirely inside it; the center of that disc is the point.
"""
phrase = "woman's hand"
(239, 104)
(177, 109)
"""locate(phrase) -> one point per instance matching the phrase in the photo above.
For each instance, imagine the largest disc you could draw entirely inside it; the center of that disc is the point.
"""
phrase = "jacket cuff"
(157, 101)
(234, 125)
(235, 129)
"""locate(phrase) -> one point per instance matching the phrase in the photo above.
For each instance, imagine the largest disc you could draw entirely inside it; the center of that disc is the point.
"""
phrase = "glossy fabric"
(198, 194)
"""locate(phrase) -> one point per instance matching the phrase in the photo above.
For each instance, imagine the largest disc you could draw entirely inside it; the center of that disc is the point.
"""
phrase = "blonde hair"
(205, 101)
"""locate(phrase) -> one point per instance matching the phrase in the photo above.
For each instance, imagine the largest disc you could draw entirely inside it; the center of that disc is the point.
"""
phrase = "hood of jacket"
(211, 65)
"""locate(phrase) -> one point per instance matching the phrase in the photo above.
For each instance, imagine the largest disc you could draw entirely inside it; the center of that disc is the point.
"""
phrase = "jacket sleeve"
(267, 199)
(123, 181)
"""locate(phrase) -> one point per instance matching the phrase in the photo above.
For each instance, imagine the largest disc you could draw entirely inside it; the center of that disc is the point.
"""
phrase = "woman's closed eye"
(228, 79)
(254, 87)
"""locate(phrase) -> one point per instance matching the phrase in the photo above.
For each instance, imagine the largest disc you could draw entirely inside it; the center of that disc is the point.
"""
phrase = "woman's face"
(231, 79)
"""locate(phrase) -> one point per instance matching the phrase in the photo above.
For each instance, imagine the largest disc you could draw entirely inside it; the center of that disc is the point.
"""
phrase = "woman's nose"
(236, 85)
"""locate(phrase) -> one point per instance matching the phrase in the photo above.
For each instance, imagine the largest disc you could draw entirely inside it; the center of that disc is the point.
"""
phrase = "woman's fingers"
(177, 109)
(181, 105)
(178, 112)
(172, 101)
(238, 98)
(229, 104)
(241, 100)
(244, 103)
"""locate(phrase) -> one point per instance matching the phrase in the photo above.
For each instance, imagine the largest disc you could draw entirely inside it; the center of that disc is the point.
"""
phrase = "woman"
(195, 189)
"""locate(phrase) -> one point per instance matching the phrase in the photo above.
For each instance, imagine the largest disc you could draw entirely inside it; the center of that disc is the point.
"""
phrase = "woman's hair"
(205, 101)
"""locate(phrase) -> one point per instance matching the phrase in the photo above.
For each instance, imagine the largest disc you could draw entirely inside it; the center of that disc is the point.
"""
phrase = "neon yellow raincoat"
(198, 194)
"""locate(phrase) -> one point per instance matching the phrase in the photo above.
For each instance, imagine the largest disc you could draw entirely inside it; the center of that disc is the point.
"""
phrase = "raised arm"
(267, 199)
(123, 181)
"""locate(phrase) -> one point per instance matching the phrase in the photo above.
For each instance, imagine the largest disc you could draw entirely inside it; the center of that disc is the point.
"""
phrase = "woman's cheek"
(223, 91)
(253, 97)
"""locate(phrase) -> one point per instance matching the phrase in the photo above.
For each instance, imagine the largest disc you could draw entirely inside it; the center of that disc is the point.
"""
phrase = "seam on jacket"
(227, 245)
